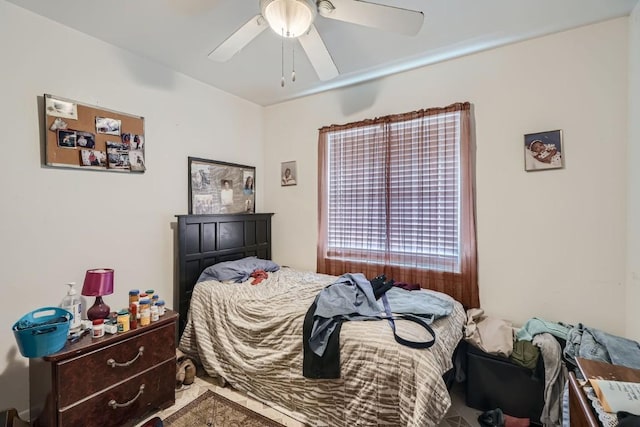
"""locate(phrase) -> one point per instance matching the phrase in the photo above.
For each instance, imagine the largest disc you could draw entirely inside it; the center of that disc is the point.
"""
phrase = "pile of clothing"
(558, 344)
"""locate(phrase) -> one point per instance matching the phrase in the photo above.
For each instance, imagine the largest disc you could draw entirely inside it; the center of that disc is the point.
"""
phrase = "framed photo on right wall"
(543, 150)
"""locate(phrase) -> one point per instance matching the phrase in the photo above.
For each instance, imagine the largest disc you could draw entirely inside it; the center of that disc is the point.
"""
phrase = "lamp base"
(99, 310)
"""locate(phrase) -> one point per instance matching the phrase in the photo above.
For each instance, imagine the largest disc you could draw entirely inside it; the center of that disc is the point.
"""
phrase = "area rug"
(211, 409)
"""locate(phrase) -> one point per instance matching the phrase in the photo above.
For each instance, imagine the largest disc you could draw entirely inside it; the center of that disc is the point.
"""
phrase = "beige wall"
(633, 192)
(551, 244)
(55, 223)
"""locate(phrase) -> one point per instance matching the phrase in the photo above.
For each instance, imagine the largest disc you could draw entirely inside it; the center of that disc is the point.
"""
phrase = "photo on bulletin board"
(93, 158)
(220, 187)
(67, 138)
(136, 160)
(87, 137)
(108, 126)
(60, 108)
(85, 140)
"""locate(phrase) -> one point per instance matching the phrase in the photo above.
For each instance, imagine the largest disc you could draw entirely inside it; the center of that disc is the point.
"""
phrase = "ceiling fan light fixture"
(289, 18)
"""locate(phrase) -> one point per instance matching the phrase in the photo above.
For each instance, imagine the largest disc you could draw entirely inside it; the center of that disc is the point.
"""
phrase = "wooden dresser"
(110, 381)
(581, 410)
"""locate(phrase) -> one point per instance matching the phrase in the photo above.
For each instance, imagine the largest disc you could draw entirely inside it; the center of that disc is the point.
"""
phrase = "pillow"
(237, 271)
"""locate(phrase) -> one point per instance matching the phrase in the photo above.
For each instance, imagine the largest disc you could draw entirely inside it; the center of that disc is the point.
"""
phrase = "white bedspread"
(251, 336)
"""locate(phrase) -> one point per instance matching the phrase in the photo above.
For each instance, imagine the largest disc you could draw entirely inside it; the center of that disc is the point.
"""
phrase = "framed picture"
(543, 150)
(219, 187)
(288, 173)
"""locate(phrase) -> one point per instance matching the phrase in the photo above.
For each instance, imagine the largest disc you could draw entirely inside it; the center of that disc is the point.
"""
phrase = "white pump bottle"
(73, 304)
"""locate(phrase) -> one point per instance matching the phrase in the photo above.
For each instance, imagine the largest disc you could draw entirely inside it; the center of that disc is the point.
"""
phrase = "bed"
(250, 336)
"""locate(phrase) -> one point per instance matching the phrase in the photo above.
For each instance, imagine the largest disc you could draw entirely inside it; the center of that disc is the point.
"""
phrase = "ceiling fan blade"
(239, 39)
(373, 15)
(318, 54)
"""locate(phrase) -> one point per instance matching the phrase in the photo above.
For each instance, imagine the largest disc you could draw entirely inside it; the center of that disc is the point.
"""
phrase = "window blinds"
(393, 192)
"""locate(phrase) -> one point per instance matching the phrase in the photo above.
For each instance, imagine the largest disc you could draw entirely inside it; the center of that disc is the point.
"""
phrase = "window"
(391, 197)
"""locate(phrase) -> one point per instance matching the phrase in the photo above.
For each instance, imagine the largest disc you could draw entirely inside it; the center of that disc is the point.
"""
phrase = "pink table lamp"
(98, 282)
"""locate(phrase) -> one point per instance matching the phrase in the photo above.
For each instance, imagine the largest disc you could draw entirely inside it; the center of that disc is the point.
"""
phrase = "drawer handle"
(116, 405)
(113, 363)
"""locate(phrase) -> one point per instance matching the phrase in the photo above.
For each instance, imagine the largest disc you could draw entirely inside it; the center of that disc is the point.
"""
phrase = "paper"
(617, 396)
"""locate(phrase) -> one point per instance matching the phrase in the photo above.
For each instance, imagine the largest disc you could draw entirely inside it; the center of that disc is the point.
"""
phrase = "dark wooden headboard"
(204, 240)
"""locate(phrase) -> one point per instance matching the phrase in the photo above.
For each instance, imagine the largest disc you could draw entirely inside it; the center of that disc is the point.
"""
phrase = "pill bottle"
(154, 313)
(161, 307)
(123, 320)
(134, 295)
(133, 315)
(145, 312)
(137, 304)
(150, 293)
(98, 328)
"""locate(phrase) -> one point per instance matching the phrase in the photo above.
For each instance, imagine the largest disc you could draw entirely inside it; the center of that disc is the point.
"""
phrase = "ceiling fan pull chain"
(282, 57)
(293, 61)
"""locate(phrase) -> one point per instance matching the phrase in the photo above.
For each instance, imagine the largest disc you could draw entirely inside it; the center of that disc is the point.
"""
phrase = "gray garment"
(431, 304)
(594, 344)
(349, 297)
(555, 376)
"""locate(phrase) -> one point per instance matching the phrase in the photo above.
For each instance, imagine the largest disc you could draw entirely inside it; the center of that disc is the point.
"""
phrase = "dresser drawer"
(90, 373)
(135, 397)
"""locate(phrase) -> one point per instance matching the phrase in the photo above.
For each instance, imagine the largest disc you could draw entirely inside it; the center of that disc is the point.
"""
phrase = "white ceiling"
(181, 33)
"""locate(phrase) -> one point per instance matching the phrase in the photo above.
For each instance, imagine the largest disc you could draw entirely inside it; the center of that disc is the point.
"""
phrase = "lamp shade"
(289, 18)
(98, 282)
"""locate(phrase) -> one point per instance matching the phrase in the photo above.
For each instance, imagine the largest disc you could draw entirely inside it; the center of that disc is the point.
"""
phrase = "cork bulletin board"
(92, 138)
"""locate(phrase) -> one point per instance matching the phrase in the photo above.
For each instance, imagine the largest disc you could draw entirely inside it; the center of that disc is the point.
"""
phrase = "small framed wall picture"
(543, 151)
(288, 173)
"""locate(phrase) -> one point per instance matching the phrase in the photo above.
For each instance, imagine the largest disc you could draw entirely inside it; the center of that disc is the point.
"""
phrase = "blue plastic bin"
(42, 331)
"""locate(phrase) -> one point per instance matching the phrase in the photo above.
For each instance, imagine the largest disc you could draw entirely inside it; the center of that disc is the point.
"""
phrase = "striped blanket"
(251, 337)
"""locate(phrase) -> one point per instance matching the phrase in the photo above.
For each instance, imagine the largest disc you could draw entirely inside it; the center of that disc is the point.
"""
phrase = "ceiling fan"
(294, 19)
